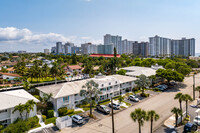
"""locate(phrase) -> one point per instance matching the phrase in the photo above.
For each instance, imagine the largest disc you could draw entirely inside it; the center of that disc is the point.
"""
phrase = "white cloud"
(13, 39)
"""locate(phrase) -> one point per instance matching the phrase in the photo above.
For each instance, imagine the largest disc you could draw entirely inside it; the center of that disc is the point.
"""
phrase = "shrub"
(103, 101)
(1, 127)
(21, 126)
(49, 106)
(50, 113)
(62, 111)
(44, 118)
(144, 95)
(36, 96)
(135, 89)
(70, 112)
(116, 97)
(51, 120)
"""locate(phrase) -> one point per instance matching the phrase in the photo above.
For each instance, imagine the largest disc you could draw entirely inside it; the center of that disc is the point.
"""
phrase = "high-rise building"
(89, 48)
(109, 49)
(141, 49)
(68, 47)
(115, 40)
(53, 50)
(159, 46)
(59, 47)
(46, 51)
(101, 49)
(184, 47)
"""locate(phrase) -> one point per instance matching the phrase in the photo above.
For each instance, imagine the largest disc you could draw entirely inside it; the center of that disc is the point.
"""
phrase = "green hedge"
(51, 120)
(62, 111)
(103, 101)
(21, 126)
(144, 95)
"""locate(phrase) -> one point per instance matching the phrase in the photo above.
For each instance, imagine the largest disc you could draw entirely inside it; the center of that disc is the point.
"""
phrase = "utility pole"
(194, 86)
(113, 128)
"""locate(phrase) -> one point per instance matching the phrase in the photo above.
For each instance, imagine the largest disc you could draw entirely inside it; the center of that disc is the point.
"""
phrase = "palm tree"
(29, 105)
(187, 98)
(89, 91)
(198, 89)
(57, 71)
(142, 82)
(180, 98)
(177, 112)
(151, 115)
(26, 84)
(19, 108)
(120, 99)
(140, 116)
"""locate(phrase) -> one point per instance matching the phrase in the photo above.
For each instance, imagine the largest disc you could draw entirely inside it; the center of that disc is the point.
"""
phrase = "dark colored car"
(189, 127)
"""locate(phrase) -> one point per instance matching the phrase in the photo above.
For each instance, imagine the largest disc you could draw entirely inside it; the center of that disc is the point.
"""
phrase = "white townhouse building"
(8, 100)
(67, 94)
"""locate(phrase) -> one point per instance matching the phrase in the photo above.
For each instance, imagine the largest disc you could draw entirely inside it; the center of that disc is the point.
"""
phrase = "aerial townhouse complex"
(68, 94)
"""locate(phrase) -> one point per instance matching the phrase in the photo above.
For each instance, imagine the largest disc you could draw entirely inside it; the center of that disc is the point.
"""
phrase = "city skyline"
(37, 25)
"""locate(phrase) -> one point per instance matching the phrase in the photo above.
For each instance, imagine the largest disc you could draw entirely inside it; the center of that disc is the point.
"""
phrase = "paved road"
(161, 103)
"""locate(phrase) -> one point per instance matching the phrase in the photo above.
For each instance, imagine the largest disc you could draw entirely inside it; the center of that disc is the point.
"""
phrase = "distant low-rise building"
(72, 68)
(46, 51)
(9, 76)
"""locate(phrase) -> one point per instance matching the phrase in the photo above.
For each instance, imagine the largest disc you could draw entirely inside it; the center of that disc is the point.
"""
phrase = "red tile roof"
(10, 74)
(74, 67)
(104, 55)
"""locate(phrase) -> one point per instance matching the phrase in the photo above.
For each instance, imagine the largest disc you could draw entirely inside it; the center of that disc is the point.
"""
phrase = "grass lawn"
(104, 103)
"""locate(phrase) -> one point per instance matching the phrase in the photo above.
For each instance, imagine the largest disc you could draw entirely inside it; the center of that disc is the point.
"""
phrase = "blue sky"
(33, 25)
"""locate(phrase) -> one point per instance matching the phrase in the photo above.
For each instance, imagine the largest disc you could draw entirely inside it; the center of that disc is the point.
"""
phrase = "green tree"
(121, 72)
(169, 75)
(177, 113)
(152, 116)
(20, 108)
(180, 98)
(142, 82)
(170, 65)
(140, 116)
(120, 99)
(3, 70)
(187, 98)
(89, 91)
(198, 89)
(74, 60)
(184, 70)
(57, 71)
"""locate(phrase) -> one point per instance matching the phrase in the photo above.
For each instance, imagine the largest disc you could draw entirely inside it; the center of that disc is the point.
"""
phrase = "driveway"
(162, 104)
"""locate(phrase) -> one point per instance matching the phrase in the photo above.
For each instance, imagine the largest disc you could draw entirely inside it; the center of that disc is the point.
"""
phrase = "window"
(3, 111)
(116, 82)
(66, 99)
(102, 85)
(109, 83)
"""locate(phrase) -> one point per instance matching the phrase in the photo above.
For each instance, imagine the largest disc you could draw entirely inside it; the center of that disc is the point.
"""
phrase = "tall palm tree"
(57, 71)
(186, 99)
(140, 116)
(152, 116)
(180, 98)
(89, 91)
(142, 82)
(177, 112)
(198, 89)
(19, 108)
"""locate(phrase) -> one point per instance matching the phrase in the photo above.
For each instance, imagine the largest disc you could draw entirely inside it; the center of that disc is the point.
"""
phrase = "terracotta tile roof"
(10, 74)
(10, 69)
(74, 67)
(104, 55)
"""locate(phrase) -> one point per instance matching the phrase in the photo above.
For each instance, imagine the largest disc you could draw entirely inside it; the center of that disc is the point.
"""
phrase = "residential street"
(162, 104)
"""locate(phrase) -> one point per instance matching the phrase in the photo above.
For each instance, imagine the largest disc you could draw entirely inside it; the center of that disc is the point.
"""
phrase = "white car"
(197, 120)
(115, 106)
(134, 98)
(78, 119)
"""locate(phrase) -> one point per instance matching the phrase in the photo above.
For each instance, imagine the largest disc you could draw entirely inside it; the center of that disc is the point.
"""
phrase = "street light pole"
(113, 128)
(194, 86)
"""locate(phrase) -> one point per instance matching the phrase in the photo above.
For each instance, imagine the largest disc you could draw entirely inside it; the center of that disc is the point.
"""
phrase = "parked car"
(78, 119)
(165, 86)
(161, 87)
(134, 98)
(197, 120)
(189, 127)
(115, 106)
(103, 109)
